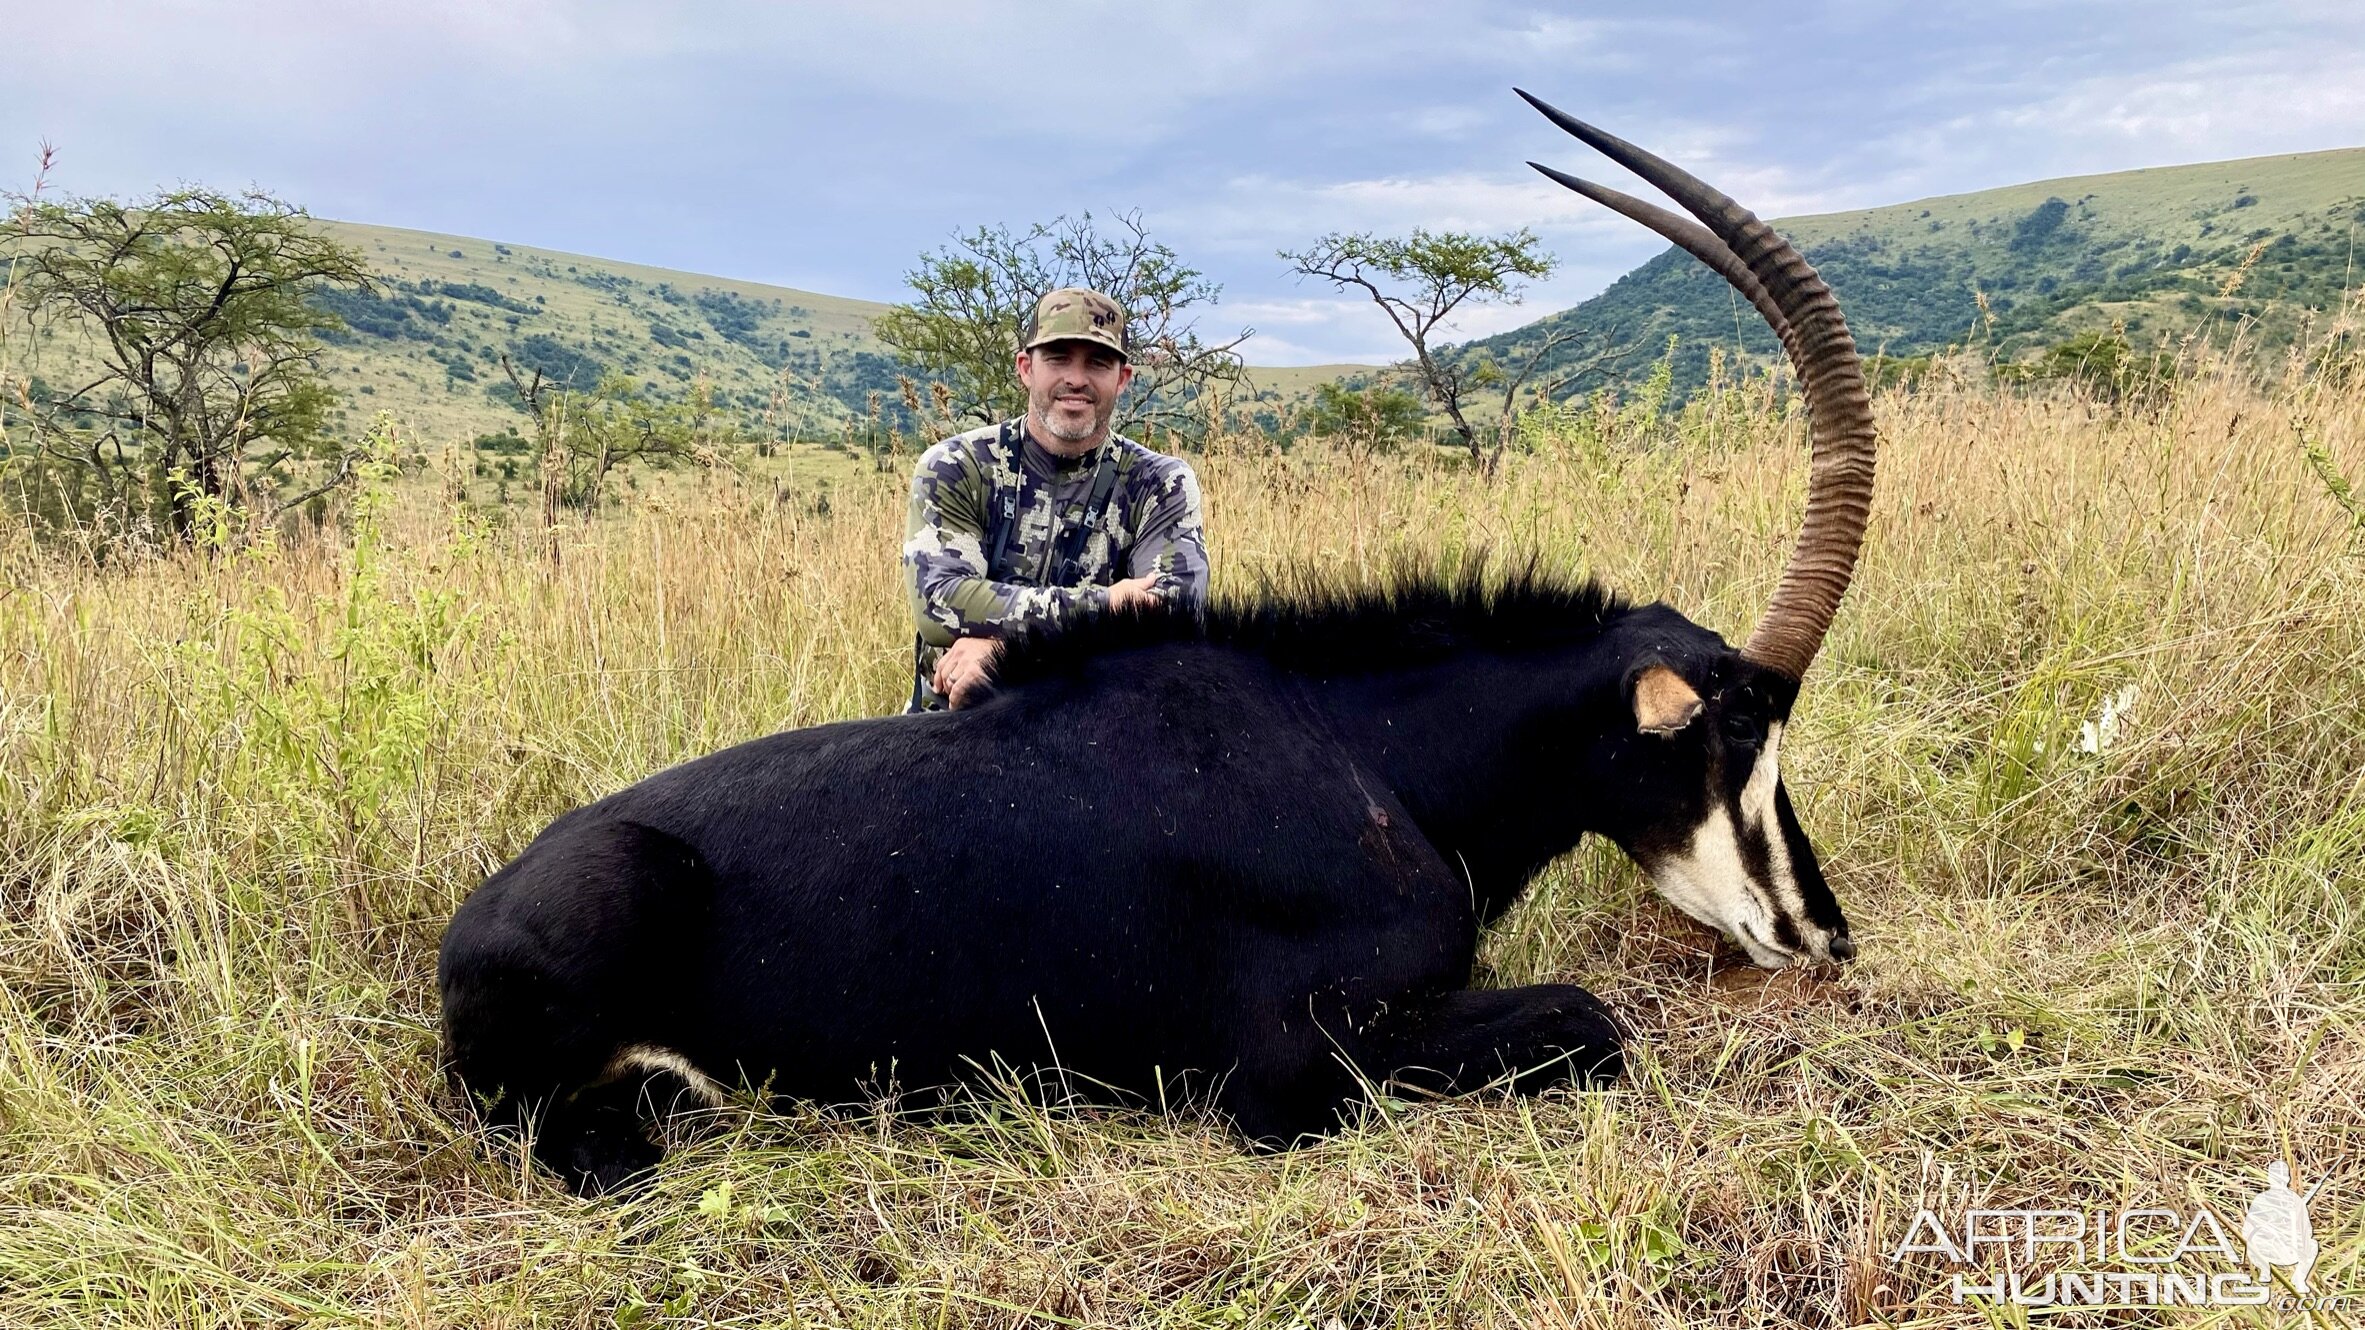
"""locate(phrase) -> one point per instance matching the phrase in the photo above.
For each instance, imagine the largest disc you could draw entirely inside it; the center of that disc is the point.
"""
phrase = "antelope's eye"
(1740, 727)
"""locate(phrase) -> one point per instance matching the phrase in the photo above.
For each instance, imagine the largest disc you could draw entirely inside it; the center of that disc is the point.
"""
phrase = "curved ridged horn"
(1839, 407)
(1695, 239)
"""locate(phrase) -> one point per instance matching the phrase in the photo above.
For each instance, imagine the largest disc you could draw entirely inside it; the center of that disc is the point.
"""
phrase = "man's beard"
(1047, 414)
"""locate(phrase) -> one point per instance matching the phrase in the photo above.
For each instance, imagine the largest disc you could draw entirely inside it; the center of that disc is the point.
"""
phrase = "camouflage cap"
(1073, 312)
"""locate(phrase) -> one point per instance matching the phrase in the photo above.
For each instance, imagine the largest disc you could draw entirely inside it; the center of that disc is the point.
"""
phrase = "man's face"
(1071, 391)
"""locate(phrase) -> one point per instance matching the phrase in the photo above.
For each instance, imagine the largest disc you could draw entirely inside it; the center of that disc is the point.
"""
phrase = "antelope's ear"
(1663, 702)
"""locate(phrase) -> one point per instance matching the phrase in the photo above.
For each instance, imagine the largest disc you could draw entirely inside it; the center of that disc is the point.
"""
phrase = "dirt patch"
(1742, 987)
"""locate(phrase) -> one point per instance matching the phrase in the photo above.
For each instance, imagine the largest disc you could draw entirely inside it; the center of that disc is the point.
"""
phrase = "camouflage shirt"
(961, 492)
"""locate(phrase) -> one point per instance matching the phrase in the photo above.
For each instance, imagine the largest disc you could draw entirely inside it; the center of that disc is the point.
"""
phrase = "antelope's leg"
(1525, 1038)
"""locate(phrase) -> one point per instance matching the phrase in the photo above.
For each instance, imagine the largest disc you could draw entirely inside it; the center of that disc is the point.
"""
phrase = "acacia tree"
(971, 296)
(620, 421)
(585, 435)
(195, 303)
(1419, 281)
(1605, 351)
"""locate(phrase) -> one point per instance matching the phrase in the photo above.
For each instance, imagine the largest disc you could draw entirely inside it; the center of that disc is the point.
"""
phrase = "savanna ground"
(240, 795)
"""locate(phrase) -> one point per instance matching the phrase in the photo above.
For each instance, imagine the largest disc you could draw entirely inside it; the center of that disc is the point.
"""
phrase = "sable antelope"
(1242, 859)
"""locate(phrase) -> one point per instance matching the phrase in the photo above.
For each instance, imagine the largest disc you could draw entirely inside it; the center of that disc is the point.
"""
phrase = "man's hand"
(960, 671)
(1133, 593)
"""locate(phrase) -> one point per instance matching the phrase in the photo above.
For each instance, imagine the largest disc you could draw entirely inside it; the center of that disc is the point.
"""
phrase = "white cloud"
(1316, 329)
(1599, 44)
(1270, 312)
(2232, 105)
(1266, 211)
(1338, 350)
(1444, 122)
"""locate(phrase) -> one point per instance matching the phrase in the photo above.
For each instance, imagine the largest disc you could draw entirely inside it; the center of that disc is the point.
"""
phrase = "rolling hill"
(427, 344)
(2157, 252)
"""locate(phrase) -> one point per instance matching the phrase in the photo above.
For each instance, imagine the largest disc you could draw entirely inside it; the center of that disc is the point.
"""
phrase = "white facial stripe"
(1757, 797)
(1757, 813)
(1709, 882)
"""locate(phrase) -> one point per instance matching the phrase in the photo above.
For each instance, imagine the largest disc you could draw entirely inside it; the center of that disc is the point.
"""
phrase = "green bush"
(1369, 415)
(2104, 363)
(506, 442)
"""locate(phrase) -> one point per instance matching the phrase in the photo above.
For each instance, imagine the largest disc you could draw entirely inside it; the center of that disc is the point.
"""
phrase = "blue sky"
(825, 146)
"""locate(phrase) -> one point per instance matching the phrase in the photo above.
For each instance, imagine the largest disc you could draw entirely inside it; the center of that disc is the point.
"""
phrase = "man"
(1045, 517)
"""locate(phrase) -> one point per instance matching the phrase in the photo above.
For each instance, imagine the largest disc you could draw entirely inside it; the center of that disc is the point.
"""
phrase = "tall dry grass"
(240, 794)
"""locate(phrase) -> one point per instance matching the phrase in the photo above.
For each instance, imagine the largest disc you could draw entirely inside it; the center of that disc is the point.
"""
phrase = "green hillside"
(2154, 251)
(427, 344)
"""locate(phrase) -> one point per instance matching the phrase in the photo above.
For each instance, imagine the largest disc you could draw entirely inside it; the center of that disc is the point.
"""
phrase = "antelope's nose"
(1843, 947)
